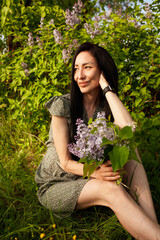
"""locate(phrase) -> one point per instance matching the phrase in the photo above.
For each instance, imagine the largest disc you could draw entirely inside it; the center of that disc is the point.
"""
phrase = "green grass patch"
(22, 216)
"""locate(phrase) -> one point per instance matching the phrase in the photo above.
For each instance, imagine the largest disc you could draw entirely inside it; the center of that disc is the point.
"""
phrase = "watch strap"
(106, 89)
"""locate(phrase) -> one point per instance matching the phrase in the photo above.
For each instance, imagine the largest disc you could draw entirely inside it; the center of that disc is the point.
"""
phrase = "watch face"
(106, 89)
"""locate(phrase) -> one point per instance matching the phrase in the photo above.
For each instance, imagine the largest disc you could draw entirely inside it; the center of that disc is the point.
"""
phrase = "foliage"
(44, 38)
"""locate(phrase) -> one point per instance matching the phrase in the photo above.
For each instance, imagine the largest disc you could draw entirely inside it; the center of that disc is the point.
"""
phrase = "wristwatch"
(106, 89)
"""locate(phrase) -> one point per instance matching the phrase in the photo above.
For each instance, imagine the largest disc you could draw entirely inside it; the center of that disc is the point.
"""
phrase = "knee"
(110, 192)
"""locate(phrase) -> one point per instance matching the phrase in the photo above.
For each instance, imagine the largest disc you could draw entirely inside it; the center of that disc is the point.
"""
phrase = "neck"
(90, 102)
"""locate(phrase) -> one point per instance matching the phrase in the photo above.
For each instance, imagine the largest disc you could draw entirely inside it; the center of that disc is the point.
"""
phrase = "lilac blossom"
(40, 43)
(77, 7)
(25, 68)
(66, 53)
(30, 39)
(134, 22)
(41, 22)
(57, 36)
(148, 11)
(72, 17)
(51, 22)
(90, 137)
(26, 72)
(93, 31)
(24, 65)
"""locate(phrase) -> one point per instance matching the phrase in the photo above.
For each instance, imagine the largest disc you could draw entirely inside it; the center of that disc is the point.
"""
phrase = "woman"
(62, 188)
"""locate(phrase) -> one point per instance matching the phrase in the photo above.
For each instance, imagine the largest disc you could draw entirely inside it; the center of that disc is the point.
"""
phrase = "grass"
(21, 215)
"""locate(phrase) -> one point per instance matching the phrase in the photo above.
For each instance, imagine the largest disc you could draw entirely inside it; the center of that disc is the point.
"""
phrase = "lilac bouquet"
(102, 140)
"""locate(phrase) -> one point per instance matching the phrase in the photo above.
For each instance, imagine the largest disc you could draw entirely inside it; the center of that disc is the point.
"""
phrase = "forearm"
(72, 166)
(120, 113)
(121, 116)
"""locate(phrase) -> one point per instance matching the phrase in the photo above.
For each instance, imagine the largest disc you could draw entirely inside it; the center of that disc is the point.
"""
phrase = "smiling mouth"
(83, 84)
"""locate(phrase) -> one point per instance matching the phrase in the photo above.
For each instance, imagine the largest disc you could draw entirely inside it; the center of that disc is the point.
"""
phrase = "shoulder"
(59, 105)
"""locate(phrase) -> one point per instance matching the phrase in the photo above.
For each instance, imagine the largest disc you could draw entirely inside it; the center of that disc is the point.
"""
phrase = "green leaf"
(85, 169)
(137, 101)
(90, 121)
(105, 141)
(118, 157)
(126, 133)
(91, 169)
(132, 153)
(83, 160)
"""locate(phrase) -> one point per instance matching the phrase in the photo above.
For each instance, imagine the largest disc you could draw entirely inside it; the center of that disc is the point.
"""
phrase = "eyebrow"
(85, 63)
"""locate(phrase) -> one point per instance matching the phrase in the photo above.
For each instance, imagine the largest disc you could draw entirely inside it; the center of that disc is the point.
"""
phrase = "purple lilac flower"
(66, 53)
(24, 65)
(30, 39)
(148, 11)
(78, 6)
(25, 68)
(41, 22)
(133, 21)
(72, 16)
(92, 31)
(57, 36)
(40, 43)
(51, 22)
(89, 143)
(27, 72)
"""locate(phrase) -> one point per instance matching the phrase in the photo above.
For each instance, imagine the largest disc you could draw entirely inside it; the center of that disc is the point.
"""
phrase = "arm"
(121, 116)
(61, 140)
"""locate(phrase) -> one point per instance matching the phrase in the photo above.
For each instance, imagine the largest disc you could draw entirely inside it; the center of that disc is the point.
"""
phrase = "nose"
(81, 74)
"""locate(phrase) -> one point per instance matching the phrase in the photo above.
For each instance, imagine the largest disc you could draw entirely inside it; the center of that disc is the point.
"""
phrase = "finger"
(108, 162)
(105, 168)
(110, 174)
(112, 178)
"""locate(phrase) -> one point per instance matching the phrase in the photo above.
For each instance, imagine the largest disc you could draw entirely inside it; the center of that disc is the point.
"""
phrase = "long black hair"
(106, 66)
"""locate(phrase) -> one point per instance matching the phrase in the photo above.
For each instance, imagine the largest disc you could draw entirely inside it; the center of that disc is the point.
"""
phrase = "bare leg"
(129, 213)
(137, 179)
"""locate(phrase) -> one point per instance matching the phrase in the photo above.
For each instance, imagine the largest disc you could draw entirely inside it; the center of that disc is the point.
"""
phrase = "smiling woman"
(87, 73)
(62, 187)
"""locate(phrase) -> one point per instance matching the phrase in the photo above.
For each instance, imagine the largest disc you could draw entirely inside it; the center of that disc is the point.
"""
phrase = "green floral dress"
(59, 190)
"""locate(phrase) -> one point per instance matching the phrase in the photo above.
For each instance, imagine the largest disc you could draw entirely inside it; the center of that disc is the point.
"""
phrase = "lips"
(83, 84)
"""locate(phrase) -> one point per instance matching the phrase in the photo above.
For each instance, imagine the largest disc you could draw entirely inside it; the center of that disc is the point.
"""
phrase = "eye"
(87, 67)
(75, 69)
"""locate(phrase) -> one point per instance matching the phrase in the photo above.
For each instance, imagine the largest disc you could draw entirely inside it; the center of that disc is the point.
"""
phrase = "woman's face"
(86, 72)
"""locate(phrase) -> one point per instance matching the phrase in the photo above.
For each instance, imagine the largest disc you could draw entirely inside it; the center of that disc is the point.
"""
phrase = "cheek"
(97, 77)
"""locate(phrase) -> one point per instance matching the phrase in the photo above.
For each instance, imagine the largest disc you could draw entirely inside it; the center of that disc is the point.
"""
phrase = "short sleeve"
(59, 106)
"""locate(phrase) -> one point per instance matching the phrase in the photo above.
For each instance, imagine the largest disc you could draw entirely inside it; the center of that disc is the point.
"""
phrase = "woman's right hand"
(105, 172)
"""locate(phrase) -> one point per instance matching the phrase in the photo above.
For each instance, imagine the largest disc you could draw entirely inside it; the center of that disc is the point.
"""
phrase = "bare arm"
(61, 140)
(121, 116)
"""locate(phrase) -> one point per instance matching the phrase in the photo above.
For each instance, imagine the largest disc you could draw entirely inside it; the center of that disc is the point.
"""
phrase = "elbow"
(63, 165)
(124, 123)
